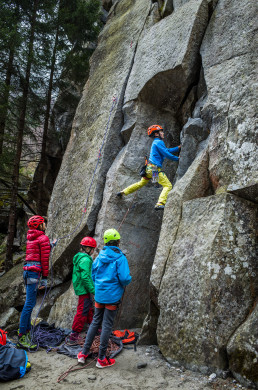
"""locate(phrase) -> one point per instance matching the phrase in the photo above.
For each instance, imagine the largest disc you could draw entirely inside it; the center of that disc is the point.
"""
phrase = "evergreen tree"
(76, 28)
(21, 126)
(42, 42)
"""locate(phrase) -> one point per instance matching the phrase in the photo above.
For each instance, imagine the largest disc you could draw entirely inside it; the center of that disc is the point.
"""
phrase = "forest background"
(45, 49)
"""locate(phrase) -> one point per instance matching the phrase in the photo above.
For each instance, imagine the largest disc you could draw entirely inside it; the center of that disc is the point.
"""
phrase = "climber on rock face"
(153, 169)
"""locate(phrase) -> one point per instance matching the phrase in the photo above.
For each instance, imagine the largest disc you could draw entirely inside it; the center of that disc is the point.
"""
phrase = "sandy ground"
(158, 374)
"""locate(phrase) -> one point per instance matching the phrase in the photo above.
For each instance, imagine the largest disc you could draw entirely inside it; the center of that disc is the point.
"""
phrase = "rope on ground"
(94, 349)
(112, 347)
(76, 367)
(47, 338)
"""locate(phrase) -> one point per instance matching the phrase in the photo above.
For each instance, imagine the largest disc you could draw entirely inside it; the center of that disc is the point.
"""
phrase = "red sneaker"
(107, 362)
(81, 357)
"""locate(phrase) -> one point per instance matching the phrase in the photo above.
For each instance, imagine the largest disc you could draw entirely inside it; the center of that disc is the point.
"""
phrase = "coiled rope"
(112, 349)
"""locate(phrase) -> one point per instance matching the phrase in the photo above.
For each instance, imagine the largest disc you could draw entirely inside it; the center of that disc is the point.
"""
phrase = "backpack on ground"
(13, 363)
(126, 336)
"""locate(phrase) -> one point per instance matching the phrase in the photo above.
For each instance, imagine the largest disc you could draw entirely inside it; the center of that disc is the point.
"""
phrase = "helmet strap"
(86, 249)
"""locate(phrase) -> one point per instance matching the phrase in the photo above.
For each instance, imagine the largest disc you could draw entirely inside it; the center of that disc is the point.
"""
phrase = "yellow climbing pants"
(163, 180)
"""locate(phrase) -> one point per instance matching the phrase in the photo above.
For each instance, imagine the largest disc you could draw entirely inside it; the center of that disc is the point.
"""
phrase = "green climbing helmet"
(111, 235)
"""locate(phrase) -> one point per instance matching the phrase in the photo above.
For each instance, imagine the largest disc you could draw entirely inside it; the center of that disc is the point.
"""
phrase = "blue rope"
(48, 338)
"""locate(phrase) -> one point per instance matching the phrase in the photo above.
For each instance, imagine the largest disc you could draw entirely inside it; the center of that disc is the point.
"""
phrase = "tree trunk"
(19, 142)
(4, 102)
(42, 163)
(7, 83)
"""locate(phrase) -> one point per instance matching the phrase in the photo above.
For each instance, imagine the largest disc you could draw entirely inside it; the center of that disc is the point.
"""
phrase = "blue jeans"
(31, 280)
(106, 317)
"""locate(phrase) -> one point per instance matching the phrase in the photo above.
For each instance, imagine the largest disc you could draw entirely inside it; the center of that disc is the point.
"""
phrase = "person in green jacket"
(83, 286)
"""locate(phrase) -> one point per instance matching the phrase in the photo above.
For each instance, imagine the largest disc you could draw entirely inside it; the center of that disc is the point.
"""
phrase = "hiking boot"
(120, 194)
(159, 206)
(29, 339)
(81, 357)
(107, 362)
(73, 337)
(24, 342)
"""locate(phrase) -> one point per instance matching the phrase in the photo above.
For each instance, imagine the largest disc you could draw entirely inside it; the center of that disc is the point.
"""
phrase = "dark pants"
(106, 317)
(84, 313)
(31, 280)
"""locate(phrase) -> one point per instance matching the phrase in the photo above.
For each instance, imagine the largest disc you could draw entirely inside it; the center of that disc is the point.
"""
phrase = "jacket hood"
(109, 254)
(78, 257)
(33, 234)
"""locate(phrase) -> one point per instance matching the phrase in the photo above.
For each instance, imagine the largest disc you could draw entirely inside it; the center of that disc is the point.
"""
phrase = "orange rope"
(129, 208)
(73, 368)
(112, 347)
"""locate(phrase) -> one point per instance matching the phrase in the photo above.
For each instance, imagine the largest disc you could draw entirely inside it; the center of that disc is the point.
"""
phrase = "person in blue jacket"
(110, 274)
(153, 169)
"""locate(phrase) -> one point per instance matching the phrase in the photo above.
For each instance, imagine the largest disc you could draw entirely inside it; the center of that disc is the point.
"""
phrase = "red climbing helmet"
(89, 241)
(152, 129)
(35, 221)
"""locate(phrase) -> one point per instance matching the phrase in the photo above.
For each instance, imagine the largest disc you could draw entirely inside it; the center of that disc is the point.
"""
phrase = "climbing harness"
(155, 173)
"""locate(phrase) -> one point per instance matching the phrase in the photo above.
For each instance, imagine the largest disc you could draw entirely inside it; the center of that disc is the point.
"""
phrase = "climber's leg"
(167, 186)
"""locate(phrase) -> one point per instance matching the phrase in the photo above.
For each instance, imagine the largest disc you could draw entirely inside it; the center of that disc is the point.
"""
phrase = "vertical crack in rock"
(117, 47)
(172, 242)
(168, 78)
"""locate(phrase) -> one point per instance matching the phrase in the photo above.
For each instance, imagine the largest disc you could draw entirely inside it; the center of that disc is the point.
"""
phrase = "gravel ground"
(155, 375)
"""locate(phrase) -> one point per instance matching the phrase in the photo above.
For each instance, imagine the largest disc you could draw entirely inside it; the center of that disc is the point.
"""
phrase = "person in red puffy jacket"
(35, 266)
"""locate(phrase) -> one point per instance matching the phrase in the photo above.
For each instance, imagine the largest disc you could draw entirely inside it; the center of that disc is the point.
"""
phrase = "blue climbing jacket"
(159, 152)
(110, 273)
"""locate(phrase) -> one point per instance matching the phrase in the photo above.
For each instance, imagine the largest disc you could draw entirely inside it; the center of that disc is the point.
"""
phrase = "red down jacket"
(37, 251)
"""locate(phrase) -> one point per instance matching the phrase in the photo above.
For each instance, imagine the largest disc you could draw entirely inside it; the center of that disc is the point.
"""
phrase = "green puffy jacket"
(82, 280)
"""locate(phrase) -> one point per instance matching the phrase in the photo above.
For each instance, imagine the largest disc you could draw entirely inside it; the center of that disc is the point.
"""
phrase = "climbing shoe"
(24, 342)
(107, 362)
(120, 194)
(159, 206)
(81, 357)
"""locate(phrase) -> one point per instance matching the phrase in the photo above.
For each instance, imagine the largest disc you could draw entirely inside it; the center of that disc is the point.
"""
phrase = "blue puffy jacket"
(110, 273)
(159, 152)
